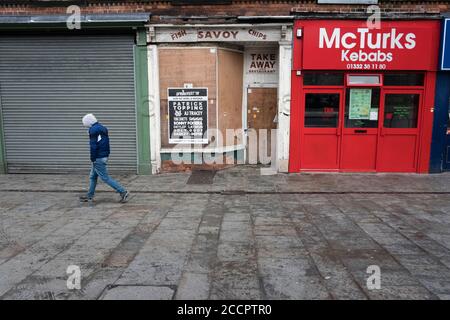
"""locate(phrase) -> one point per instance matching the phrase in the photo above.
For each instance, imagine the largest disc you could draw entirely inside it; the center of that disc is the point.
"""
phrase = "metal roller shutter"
(47, 84)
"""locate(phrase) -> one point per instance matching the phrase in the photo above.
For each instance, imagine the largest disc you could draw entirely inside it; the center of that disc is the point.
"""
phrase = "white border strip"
(443, 45)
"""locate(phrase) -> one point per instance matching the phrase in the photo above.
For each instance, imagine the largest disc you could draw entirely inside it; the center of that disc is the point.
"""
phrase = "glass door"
(399, 135)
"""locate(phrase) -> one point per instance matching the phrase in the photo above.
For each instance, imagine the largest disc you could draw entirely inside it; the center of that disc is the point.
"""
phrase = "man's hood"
(89, 120)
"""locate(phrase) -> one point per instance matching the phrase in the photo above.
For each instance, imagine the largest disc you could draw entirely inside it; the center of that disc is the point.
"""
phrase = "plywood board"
(186, 65)
(261, 113)
(231, 66)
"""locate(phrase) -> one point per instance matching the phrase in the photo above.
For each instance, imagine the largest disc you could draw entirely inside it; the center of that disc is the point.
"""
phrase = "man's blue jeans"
(99, 170)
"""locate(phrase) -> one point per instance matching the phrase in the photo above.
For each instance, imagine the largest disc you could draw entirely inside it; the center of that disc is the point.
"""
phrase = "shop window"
(323, 79)
(401, 110)
(404, 79)
(362, 107)
(321, 110)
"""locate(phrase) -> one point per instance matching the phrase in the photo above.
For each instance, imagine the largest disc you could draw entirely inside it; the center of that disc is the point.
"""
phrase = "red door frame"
(305, 131)
(423, 132)
(399, 132)
(351, 131)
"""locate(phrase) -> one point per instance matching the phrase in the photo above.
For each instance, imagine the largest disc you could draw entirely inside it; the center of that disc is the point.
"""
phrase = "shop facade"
(217, 94)
(50, 77)
(362, 98)
(440, 151)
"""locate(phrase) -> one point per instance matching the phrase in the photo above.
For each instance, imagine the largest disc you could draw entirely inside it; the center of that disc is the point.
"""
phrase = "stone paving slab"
(242, 178)
(138, 293)
(267, 241)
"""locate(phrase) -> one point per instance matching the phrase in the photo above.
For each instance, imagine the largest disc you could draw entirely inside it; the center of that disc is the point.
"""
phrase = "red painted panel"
(398, 148)
(397, 154)
(359, 152)
(350, 45)
(320, 151)
(295, 129)
(297, 48)
(426, 125)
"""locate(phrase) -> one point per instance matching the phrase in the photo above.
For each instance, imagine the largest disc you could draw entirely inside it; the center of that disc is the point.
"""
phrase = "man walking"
(99, 143)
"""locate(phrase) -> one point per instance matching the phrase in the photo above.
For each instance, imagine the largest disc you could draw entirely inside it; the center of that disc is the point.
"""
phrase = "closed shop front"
(223, 92)
(440, 151)
(363, 98)
(47, 84)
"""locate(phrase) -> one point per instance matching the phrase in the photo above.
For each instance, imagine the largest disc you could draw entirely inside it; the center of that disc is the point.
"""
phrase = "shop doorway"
(321, 129)
(447, 153)
(447, 145)
(261, 120)
(360, 127)
(399, 134)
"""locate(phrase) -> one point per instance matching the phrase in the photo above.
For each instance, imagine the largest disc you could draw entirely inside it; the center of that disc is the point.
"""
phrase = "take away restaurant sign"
(216, 34)
(351, 45)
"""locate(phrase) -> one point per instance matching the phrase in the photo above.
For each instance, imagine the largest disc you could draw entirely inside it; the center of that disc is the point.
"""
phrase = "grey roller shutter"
(47, 84)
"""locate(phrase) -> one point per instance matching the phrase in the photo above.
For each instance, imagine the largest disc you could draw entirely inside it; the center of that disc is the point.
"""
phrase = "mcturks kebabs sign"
(351, 45)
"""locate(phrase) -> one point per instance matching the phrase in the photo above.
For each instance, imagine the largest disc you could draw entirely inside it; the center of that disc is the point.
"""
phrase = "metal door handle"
(360, 131)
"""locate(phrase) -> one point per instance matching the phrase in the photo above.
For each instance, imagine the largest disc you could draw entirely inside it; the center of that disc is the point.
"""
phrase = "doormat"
(201, 177)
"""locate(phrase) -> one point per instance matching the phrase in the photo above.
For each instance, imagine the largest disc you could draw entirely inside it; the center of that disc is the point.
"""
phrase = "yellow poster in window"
(360, 103)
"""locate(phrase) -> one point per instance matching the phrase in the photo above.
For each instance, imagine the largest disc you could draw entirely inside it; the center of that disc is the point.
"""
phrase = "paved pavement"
(243, 236)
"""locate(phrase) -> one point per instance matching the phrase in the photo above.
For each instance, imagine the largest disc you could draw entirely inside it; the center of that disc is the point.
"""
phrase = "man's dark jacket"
(99, 141)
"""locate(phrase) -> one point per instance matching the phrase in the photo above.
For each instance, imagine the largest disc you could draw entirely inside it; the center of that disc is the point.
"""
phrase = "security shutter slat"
(47, 84)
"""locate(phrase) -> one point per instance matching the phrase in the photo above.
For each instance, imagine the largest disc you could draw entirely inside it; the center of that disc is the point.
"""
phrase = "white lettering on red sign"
(349, 40)
(352, 45)
(363, 39)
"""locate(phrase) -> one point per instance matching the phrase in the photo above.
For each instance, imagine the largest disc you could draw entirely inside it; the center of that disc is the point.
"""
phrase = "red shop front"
(362, 99)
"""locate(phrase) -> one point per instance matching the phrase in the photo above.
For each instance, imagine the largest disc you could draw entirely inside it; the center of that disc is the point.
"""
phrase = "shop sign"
(213, 34)
(360, 103)
(262, 62)
(188, 115)
(352, 45)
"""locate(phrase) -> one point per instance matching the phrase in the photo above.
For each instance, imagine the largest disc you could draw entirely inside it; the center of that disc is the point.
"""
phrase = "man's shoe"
(86, 198)
(124, 197)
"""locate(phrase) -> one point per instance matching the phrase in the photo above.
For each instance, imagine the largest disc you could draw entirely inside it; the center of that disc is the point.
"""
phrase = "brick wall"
(258, 8)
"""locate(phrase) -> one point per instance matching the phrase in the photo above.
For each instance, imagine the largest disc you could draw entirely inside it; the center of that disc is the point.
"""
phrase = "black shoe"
(86, 199)
(124, 197)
